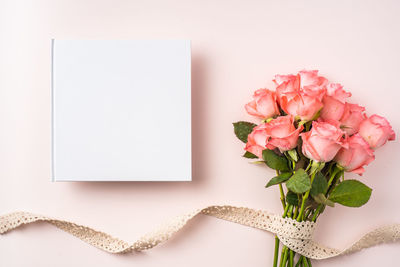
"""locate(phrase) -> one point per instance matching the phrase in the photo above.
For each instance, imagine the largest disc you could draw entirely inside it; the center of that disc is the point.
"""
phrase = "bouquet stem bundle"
(298, 211)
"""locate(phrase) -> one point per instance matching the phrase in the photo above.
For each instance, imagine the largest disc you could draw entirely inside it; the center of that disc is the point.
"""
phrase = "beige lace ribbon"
(295, 235)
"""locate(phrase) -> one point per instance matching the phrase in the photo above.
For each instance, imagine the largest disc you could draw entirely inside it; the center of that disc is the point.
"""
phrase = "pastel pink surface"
(237, 46)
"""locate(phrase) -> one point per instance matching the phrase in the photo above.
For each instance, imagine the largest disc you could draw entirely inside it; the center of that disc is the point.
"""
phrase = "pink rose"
(357, 155)
(323, 141)
(287, 85)
(310, 79)
(376, 130)
(301, 95)
(302, 106)
(264, 104)
(334, 102)
(278, 133)
(280, 79)
(353, 115)
(336, 90)
(312, 84)
(306, 81)
(257, 140)
(282, 133)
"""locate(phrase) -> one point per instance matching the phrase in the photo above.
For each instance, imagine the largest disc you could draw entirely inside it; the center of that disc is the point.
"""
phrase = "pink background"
(237, 47)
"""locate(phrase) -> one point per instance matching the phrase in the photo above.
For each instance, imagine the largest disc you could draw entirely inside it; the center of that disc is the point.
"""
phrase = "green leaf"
(284, 176)
(300, 182)
(319, 185)
(351, 193)
(292, 198)
(249, 155)
(275, 161)
(321, 199)
(242, 129)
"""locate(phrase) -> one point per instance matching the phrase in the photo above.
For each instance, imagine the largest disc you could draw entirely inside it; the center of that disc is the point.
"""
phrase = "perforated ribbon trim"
(295, 235)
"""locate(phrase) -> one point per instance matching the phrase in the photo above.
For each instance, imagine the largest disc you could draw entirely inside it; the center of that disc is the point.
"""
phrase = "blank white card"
(121, 110)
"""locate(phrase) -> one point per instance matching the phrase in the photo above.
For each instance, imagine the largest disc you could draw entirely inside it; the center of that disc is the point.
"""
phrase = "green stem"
(309, 262)
(335, 171)
(282, 196)
(314, 218)
(296, 212)
(291, 252)
(276, 251)
(285, 257)
(291, 258)
(300, 261)
(281, 193)
(284, 248)
(282, 256)
(286, 211)
(305, 197)
(276, 237)
(309, 165)
(290, 212)
(305, 262)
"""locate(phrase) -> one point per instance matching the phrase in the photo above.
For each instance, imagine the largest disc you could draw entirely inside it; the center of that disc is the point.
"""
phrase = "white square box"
(121, 110)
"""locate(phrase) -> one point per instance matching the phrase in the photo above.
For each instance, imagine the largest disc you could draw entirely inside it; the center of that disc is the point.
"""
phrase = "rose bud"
(257, 140)
(264, 104)
(334, 102)
(357, 155)
(376, 130)
(323, 141)
(352, 117)
(282, 133)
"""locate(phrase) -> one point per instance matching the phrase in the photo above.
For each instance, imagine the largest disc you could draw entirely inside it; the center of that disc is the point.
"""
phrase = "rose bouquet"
(311, 135)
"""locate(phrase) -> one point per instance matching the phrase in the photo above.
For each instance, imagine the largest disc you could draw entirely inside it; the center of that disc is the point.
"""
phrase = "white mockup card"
(121, 110)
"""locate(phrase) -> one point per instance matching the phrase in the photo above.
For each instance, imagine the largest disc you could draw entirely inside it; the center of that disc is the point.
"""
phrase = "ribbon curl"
(295, 235)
